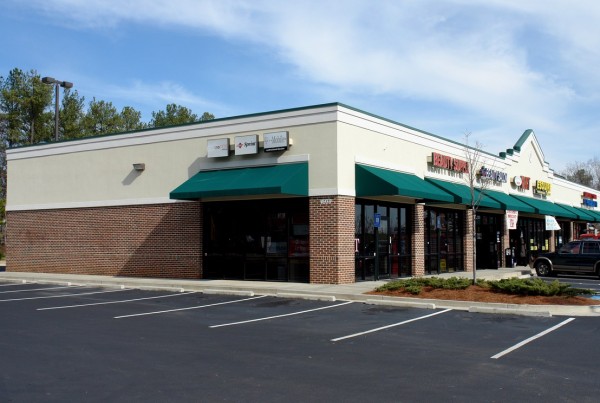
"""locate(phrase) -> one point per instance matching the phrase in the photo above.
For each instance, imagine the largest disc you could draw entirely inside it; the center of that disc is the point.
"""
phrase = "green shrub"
(415, 285)
(515, 286)
(536, 286)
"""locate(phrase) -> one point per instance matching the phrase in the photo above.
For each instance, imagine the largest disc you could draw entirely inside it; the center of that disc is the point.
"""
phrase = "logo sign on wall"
(245, 145)
(279, 141)
(542, 187)
(589, 199)
(449, 163)
(217, 148)
(496, 176)
(521, 182)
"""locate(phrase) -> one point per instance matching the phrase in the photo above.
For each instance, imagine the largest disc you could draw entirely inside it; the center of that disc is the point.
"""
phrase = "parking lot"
(63, 342)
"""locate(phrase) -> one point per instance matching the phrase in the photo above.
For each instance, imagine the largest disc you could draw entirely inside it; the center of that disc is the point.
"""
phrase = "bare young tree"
(478, 184)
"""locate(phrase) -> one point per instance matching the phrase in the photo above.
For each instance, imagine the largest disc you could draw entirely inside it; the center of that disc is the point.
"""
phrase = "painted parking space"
(189, 308)
(177, 308)
(284, 354)
(122, 301)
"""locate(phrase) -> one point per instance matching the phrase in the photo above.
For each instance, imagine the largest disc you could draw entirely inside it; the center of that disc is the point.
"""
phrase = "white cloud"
(532, 64)
(462, 52)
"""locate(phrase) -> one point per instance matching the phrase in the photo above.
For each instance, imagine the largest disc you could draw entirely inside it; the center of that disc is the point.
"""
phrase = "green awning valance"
(284, 179)
(545, 207)
(371, 181)
(595, 214)
(580, 214)
(509, 203)
(462, 194)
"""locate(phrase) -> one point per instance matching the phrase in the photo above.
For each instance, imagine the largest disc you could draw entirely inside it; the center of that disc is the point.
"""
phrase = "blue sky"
(493, 68)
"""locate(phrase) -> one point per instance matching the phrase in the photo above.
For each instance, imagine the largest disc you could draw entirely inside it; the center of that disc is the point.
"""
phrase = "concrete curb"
(509, 311)
(353, 292)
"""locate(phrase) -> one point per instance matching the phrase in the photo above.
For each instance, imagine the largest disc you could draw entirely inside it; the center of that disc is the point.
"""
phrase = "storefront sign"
(377, 218)
(245, 145)
(279, 141)
(552, 224)
(512, 216)
(588, 195)
(521, 182)
(449, 163)
(496, 176)
(217, 148)
(542, 188)
(589, 199)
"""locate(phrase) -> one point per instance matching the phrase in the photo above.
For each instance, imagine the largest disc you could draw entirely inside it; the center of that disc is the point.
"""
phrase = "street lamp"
(56, 83)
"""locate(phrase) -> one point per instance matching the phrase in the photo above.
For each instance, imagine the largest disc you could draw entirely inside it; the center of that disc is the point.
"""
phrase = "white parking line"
(188, 308)
(389, 326)
(63, 295)
(279, 316)
(537, 336)
(116, 302)
(41, 289)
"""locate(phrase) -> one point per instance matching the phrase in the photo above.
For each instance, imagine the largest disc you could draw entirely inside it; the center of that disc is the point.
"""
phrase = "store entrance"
(489, 241)
(382, 241)
(257, 240)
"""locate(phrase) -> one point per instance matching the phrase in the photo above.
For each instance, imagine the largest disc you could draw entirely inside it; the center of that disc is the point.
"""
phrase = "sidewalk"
(329, 292)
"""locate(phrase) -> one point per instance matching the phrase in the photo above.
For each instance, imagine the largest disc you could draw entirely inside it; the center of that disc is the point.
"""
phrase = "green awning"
(579, 213)
(462, 194)
(284, 179)
(510, 203)
(371, 181)
(593, 213)
(545, 207)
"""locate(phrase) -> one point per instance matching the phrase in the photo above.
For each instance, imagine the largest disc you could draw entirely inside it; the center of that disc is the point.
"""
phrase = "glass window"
(591, 247)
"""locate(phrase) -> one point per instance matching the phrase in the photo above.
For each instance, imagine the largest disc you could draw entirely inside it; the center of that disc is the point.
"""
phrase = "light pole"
(56, 83)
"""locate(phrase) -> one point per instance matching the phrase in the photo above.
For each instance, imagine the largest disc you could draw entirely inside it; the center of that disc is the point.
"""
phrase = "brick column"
(418, 241)
(571, 232)
(201, 243)
(332, 239)
(505, 241)
(551, 241)
(468, 240)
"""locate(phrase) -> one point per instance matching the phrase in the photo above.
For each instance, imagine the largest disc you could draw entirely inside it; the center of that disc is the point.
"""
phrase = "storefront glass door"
(382, 247)
(488, 241)
(444, 250)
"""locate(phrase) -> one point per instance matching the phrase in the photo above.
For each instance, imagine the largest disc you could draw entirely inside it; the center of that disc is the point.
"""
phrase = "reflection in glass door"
(383, 251)
(444, 250)
(383, 244)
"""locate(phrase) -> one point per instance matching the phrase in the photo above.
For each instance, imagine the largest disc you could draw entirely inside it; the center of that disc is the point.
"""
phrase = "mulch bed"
(479, 294)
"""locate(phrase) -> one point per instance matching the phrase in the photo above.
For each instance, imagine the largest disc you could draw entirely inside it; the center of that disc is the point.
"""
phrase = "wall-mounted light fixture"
(139, 166)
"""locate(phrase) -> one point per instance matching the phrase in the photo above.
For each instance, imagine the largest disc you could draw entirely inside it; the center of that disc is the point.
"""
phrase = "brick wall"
(418, 241)
(150, 241)
(332, 240)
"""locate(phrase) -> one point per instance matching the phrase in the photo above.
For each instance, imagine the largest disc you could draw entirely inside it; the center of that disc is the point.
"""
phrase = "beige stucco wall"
(332, 139)
(100, 171)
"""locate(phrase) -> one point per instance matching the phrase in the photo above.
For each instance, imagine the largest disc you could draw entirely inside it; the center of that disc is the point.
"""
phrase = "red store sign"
(449, 163)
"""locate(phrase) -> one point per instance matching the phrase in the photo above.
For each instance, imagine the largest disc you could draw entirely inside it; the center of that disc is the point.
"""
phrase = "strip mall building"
(320, 194)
